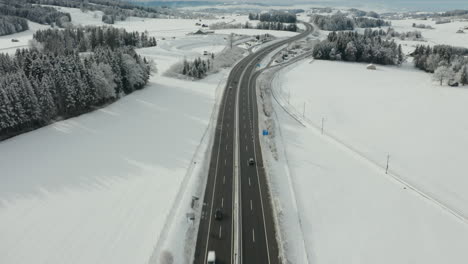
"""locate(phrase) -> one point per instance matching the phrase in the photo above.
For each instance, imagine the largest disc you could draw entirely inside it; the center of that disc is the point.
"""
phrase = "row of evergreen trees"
(10, 25)
(277, 26)
(40, 14)
(448, 63)
(88, 38)
(283, 17)
(113, 10)
(40, 86)
(197, 68)
(360, 13)
(339, 22)
(352, 46)
(260, 25)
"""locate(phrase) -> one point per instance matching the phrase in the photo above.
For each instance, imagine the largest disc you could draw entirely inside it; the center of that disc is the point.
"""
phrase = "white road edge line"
(214, 184)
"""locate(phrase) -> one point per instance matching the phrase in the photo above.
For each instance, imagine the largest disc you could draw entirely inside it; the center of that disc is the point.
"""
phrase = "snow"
(7, 46)
(115, 185)
(441, 34)
(349, 210)
(79, 18)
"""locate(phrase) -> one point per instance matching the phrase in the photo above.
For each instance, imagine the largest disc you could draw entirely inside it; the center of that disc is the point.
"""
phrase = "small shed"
(371, 67)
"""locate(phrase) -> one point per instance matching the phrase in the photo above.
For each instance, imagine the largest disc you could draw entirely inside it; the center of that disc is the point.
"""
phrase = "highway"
(238, 120)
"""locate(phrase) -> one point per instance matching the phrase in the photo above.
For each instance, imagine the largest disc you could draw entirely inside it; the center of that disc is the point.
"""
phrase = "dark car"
(251, 162)
(218, 214)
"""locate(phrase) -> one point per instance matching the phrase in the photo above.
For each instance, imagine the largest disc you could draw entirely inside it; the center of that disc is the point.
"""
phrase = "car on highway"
(211, 258)
(218, 214)
(251, 162)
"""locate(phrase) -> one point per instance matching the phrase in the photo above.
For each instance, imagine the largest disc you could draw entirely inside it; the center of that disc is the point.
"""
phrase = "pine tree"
(46, 102)
(6, 121)
(463, 75)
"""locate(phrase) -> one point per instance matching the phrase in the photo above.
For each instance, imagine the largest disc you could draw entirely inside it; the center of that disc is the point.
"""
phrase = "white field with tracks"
(350, 210)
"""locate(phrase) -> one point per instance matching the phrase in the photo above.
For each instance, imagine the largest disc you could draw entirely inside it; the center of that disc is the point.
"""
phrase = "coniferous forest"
(352, 46)
(57, 79)
(10, 25)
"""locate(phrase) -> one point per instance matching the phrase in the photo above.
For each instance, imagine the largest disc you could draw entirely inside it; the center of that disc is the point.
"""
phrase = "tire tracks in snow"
(392, 175)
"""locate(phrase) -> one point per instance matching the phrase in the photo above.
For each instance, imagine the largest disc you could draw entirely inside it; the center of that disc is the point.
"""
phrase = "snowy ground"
(349, 210)
(114, 186)
(7, 46)
(441, 34)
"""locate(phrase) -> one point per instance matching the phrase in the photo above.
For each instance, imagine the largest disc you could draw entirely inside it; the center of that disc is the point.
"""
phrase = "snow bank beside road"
(348, 208)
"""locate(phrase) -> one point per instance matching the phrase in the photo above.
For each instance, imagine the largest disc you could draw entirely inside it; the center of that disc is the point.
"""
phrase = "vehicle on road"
(211, 258)
(218, 214)
(251, 162)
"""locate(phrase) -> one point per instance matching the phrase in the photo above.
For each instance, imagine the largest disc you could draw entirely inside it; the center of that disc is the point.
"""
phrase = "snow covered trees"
(283, 17)
(10, 25)
(352, 46)
(38, 86)
(88, 38)
(40, 14)
(197, 68)
(446, 62)
(335, 22)
(443, 73)
(277, 26)
(339, 22)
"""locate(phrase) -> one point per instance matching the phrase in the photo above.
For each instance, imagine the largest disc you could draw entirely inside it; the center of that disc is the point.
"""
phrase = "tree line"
(339, 22)
(361, 13)
(355, 47)
(40, 86)
(277, 26)
(197, 68)
(88, 38)
(113, 10)
(283, 17)
(260, 25)
(40, 14)
(391, 33)
(10, 25)
(448, 63)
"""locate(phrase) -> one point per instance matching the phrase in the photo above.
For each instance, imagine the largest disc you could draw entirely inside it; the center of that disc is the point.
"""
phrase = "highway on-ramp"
(237, 139)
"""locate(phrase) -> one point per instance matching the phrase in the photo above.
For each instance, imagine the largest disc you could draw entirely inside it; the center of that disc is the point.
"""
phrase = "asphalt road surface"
(257, 231)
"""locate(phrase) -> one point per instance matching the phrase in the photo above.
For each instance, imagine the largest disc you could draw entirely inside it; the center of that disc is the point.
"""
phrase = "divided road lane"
(257, 237)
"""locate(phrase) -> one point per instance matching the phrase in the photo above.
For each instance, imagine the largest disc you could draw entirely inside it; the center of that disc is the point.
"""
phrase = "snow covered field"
(114, 185)
(7, 46)
(349, 210)
(441, 34)
(100, 187)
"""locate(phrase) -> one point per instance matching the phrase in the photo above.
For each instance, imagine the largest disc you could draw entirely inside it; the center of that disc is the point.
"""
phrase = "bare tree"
(443, 73)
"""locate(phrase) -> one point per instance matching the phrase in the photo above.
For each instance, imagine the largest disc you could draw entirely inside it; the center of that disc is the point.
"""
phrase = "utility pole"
(388, 161)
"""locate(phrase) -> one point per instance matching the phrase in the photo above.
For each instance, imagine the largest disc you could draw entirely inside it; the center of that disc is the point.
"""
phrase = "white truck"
(211, 257)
